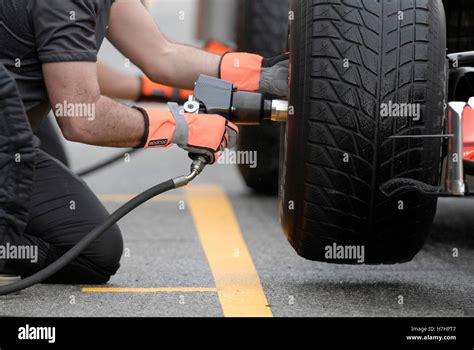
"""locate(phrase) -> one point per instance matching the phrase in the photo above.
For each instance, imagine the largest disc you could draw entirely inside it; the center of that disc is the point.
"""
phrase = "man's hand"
(274, 76)
(198, 134)
(254, 73)
(153, 92)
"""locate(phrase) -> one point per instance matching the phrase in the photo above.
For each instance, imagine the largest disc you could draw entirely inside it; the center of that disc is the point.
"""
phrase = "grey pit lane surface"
(164, 251)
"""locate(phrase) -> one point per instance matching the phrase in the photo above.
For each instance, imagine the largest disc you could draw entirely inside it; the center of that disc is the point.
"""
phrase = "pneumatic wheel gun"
(215, 96)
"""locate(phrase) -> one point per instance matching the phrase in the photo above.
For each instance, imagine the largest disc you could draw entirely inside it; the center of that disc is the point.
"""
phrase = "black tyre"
(337, 150)
(263, 29)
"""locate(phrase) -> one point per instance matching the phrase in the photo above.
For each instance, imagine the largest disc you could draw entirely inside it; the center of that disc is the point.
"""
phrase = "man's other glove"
(254, 73)
(153, 92)
(203, 134)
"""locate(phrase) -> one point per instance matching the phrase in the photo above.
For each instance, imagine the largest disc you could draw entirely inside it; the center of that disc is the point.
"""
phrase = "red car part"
(468, 131)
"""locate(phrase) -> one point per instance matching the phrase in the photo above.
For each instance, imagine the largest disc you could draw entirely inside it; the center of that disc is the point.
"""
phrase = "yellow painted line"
(148, 290)
(238, 284)
(122, 198)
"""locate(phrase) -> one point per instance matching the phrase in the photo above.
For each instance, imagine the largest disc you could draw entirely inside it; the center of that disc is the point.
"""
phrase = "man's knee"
(96, 265)
(109, 253)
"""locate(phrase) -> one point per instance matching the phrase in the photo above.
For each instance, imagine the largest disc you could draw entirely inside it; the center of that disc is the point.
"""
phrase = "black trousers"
(51, 141)
(63, 211)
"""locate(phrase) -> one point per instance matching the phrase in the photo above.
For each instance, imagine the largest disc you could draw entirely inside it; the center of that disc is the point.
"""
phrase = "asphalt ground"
(216, 249)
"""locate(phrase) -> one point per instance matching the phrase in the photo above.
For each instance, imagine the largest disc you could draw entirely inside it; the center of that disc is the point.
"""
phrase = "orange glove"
(205, 134)
(214, 46)
(253, 73)
(153, 92)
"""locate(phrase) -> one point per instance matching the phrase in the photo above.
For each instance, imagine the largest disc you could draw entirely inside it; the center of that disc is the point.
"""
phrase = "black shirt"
(33, 32)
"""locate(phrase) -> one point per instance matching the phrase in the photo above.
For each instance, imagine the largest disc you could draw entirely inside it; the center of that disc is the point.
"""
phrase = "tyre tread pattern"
(362, 54)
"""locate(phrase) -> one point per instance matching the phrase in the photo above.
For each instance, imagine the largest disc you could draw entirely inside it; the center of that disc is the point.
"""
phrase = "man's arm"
(68, 52)
(133, 31)
(74, 85)
(116, 84)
